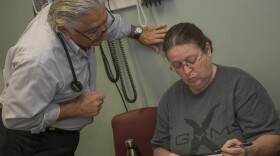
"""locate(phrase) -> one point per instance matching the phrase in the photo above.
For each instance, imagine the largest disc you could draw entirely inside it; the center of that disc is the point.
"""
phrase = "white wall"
(245, 34)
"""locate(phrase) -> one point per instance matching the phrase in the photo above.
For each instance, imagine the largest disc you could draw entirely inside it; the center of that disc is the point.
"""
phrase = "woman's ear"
(208, 49)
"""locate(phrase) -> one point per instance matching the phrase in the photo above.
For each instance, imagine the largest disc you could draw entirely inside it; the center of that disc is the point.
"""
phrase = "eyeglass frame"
(187, 63)
(107, 27)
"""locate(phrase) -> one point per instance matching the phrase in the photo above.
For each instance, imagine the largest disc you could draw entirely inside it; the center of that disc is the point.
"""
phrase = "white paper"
(120, 4)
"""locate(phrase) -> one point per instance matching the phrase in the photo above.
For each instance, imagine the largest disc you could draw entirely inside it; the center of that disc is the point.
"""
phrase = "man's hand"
(90, 104)
(87, 105)
(152, 36)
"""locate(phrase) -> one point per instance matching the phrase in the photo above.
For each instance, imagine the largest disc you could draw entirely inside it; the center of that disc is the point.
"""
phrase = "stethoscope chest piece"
(76, 86)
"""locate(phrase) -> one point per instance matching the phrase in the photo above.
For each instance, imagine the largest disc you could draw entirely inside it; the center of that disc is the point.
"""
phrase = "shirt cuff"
(51, 114)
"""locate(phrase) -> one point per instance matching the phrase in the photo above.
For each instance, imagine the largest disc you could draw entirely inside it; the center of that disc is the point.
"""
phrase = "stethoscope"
(75, 84)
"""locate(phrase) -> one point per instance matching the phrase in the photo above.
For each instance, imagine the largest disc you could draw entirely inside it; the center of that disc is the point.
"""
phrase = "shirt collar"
(74, 47)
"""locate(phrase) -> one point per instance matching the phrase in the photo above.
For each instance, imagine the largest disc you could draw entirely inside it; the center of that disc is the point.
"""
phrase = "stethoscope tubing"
(75, 84)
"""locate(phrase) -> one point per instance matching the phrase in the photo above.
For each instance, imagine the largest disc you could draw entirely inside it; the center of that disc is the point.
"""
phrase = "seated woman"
(212, 107)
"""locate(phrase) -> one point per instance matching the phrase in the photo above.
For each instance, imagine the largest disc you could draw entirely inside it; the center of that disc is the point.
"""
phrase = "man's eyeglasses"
(91, 35)
(188, 62)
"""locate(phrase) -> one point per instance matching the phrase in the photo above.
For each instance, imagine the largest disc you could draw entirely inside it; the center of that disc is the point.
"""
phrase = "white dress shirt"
(37, 76)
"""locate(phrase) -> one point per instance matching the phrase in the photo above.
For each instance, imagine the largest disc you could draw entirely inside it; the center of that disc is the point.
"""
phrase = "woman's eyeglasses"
(188, 62)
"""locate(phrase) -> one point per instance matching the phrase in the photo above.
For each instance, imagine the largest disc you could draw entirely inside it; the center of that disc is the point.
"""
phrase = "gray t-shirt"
(234, 105)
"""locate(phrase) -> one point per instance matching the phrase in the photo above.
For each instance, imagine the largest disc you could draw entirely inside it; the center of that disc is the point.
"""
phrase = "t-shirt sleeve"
(254, 109)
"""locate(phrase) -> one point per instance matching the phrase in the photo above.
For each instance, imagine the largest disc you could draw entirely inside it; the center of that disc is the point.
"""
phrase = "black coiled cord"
(129, 76)
(118, 72)
(107, 65)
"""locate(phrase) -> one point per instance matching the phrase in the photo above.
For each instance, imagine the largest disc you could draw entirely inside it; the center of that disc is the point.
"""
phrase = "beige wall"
(14, 17)
(245, 34)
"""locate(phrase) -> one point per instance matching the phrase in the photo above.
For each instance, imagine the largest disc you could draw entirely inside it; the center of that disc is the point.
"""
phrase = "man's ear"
(63, 30)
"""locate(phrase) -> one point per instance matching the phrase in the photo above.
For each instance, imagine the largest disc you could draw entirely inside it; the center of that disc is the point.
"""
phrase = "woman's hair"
(69, 12)
(185, 33)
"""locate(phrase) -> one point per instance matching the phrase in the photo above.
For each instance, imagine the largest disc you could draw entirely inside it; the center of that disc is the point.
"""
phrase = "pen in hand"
(237, 146)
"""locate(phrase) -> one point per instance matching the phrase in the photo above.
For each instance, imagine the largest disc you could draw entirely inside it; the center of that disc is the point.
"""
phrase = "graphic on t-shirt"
(200, 132)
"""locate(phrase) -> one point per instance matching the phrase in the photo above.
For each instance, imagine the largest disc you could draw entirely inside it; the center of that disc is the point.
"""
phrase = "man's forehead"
(94, 19)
